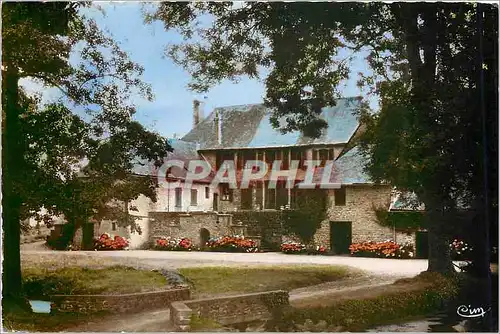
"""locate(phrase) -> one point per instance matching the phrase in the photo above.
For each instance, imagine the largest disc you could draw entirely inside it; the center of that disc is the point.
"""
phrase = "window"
(340, 196)
(270, 197)
(227, 193)
(178, 197)
(285, 157)
(113, 226)
(246, 199)
(300, 156)
(207, 192)
(194, 197)
(323, 157)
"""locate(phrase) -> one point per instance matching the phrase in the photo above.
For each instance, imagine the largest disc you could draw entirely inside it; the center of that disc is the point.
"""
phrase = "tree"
(47, 142)
(422, 60)
(309, 211)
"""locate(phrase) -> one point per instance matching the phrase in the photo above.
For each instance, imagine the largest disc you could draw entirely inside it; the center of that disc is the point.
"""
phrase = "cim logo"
(467, 311)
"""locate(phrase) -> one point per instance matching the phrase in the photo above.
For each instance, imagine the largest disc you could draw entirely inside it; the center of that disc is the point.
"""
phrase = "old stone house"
(242, 133)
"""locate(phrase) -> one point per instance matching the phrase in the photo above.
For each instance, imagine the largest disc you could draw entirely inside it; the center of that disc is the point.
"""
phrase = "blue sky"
(171, 110)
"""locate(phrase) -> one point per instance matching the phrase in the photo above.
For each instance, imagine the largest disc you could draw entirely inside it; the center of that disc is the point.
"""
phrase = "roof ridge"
(262, 103)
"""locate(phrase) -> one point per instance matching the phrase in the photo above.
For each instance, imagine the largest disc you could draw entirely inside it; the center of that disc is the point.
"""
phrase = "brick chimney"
(196, 113)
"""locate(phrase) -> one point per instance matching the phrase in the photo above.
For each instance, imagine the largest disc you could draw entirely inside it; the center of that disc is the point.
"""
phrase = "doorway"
(421, 245)
(340, 237)
(216, 201)
(204, 237)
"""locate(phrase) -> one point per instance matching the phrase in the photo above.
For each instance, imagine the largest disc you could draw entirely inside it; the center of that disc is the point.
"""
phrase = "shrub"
(108, 242)
(460, 250)
(355, 315)
(382, 249)
(236, 244)
(293, 248)
(173, 244)
(298, 248)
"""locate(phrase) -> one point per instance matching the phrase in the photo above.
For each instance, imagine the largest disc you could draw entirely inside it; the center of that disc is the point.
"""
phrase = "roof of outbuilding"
(248, 126)
(182, 150)
(350, 168)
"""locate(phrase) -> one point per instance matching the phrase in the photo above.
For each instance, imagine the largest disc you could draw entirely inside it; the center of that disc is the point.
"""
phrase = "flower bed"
(460, 250)
(235, 244)
(298, 248)
(109, 242)
(173, 244)
(383, 249)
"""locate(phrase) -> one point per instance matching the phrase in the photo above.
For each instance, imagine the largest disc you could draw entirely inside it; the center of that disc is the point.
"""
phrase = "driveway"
(164, 259)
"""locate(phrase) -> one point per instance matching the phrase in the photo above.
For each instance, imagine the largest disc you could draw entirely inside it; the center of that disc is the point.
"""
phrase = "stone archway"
(204, 236)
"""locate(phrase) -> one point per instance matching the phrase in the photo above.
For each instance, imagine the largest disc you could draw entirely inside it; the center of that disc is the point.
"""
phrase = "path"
(150, 321)
(385, 267)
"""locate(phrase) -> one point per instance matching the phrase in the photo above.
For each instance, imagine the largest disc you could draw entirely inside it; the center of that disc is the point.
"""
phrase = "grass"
(431, 293)
(38, 282)
(199, 324)
(208, 281)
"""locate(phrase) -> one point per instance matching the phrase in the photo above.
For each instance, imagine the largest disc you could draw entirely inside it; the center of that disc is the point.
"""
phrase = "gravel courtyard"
(161, 259)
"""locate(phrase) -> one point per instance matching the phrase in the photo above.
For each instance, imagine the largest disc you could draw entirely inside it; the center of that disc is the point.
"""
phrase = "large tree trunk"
(12, 157)
(439, 242)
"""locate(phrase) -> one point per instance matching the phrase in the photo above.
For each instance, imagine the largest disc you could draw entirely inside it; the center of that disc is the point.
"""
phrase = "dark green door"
(340, 237)
(421, 245)
(88, 236)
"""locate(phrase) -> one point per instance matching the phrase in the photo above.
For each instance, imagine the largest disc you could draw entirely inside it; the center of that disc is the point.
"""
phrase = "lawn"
(209, 281)
(39, 282)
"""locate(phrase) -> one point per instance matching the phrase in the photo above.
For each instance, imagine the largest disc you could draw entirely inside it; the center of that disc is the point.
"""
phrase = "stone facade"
(229, 310)
(134, 302)
(360, 201)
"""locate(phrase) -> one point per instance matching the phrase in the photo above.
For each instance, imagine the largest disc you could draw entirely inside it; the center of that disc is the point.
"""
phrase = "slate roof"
(248, 126)
(182, 150)
(349, 168)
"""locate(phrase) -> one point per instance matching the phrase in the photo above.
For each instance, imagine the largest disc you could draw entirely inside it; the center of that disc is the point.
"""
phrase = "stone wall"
(230, 206)
(229, 310)
(188, 225)
(265, 224)
(135, 302)
(359, 210)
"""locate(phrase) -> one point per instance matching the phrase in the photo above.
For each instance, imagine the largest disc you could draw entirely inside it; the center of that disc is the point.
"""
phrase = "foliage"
(382, 249)
(173, 244)
(50, 142)
(297, 248)
(408, 221)
(359, 314)
(233, 244)
(307, 214)
(108, 242)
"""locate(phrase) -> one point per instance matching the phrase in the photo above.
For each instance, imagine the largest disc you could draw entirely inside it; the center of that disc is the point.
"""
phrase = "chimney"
(196, 113)
(218, 125)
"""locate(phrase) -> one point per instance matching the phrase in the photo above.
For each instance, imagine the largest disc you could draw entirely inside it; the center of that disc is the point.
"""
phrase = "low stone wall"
(229, 310)
(134, 302)
(188, 225)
